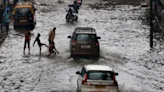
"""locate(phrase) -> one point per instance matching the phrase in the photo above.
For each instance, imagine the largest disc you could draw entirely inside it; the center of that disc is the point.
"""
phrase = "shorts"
(50, 42)
(26, 43)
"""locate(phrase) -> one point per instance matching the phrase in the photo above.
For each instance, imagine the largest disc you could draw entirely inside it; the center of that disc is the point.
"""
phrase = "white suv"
(97, 78)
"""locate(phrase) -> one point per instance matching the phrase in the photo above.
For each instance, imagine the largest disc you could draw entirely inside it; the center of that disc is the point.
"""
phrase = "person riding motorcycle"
(70, 11)
(75, 6)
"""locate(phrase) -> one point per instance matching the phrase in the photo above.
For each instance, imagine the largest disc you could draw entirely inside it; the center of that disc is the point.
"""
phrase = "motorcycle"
(71, 17)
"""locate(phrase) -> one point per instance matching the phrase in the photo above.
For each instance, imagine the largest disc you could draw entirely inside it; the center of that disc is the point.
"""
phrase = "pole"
(151, 24)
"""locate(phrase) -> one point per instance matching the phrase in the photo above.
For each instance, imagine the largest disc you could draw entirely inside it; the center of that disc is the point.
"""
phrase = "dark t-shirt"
(38, 40)
(1, 15)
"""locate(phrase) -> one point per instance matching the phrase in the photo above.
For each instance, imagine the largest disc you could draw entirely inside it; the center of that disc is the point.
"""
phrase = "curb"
(2, 38)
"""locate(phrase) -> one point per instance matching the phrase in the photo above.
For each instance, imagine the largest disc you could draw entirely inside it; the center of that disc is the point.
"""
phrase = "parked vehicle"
(24, 15)
(97, 78)
(84, 41)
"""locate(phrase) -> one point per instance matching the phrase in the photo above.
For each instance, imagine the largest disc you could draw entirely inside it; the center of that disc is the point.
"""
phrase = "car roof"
(23, 4)
(98, 68)
(85, 30)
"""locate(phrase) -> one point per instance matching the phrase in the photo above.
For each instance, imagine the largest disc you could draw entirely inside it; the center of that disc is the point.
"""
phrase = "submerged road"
(124, 46)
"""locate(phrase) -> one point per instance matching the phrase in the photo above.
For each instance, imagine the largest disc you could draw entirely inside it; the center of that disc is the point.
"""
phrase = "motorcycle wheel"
(76, 18)
(71, 21)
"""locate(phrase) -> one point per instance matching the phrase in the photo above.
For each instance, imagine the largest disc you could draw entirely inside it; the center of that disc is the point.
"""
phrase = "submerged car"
(84, 41)
(24, 15)
(97, 78)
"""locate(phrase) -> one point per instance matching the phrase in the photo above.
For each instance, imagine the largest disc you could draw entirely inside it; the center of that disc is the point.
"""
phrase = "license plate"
(85, 46)
(23, 20)
(100, 86)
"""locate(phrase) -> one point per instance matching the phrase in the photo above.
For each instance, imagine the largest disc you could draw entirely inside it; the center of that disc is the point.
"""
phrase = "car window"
(23, 11)
(83, 71)
(100, 75)
(85, 37)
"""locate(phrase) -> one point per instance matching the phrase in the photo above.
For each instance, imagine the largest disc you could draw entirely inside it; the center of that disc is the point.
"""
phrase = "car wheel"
(72, 21)
(15, 27)
(76, 18)
(73, 56)
(32, 27)
(98, 53)
(98, 56)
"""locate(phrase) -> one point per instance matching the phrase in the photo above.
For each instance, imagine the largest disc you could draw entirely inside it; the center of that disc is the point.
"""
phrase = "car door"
(81, 77)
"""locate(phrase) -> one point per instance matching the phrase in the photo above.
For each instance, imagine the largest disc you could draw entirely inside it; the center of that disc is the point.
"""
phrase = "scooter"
(70, 18)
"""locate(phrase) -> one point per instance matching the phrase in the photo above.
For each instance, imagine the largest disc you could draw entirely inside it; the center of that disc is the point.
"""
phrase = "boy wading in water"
(27, 40)
(51, 42)
(52, 48)
(39, 43)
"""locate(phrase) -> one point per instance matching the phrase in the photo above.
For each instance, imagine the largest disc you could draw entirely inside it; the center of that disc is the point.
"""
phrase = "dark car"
(24, 15)
(84, 41)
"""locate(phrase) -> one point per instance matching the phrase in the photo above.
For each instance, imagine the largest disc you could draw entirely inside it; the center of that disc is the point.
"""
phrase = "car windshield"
(23, 11)
(86, 37)
(100, 75)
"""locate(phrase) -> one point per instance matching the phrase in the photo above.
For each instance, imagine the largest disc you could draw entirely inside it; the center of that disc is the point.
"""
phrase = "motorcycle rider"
(70, 11)
(79, 2)
(75, 6)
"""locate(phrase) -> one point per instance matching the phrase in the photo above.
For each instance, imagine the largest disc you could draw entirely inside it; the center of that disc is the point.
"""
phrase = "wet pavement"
(124, 45)
(3, 35)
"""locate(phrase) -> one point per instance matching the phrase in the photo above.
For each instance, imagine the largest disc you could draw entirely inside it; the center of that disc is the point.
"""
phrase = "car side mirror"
(116, 74)
(69, 36)
(98, 37)
(78, 72)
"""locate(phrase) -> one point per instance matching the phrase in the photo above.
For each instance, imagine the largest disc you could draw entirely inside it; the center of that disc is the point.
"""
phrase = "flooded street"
(124, 45)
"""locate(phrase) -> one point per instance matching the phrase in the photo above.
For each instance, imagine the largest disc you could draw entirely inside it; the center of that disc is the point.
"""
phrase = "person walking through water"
(6, 17)
(52, 36)
(1, 13)
(52, 49)
(39, 43)
(27, 40)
